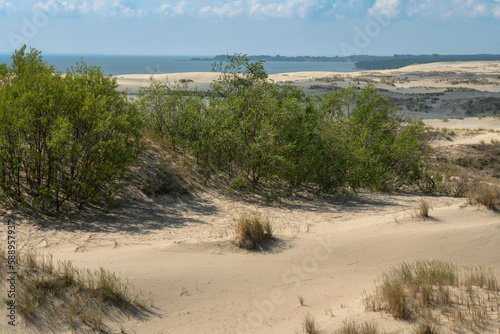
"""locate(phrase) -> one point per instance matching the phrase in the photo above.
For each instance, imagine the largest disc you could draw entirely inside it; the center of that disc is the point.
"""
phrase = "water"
(118, 65)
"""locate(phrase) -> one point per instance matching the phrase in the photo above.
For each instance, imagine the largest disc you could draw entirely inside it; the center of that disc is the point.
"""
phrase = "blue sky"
(285, 27)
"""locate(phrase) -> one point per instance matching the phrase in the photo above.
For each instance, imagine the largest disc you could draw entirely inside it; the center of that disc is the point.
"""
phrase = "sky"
(272, 27)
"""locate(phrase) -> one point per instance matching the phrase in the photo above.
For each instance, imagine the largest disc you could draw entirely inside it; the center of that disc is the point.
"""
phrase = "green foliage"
(65, 140)
(168, 113)
(255, 129)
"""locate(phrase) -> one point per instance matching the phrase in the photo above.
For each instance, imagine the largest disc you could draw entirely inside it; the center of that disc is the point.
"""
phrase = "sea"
(120, 65)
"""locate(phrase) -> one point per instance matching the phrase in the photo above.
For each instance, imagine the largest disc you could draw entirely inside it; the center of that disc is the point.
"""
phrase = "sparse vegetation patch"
(65, 296)
(352, 327)
(425, 291)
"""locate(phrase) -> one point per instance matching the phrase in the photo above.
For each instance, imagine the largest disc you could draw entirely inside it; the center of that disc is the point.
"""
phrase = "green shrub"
(255, 129)
(65, 140)
(172, 111)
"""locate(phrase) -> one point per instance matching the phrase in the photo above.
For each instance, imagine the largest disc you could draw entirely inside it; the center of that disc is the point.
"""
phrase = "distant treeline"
(366, 62)
(395, 63)
(300, 58)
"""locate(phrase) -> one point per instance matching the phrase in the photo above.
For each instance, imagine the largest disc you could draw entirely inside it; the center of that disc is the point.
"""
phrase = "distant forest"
(386, 64)
(366, 62)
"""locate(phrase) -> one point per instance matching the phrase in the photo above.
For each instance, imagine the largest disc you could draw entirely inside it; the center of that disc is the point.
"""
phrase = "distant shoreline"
(367, 62)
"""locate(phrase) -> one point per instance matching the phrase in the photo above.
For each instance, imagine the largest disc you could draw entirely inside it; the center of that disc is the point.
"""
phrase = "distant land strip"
(367, 62)
(388, 64)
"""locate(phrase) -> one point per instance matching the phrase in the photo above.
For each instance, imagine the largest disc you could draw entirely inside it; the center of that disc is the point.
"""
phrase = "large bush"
(256, 130)
(65, 139)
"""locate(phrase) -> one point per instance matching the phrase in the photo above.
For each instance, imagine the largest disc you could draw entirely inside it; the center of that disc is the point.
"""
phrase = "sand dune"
(326, 250)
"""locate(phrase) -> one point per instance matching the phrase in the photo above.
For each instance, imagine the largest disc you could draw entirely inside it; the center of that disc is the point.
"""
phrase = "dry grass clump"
(425, 291)
(485, 194)
(252, 228)
(423, 208)
(426, 328)
(351, 327)
(71, 297)
(309, 325)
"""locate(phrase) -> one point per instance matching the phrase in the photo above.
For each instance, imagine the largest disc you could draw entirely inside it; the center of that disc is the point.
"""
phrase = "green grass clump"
(252, 228)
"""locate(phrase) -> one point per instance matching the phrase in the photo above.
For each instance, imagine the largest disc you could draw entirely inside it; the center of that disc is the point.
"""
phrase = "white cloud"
(55, 6)
(342, 8)
(266, 9)
(285, 9)
(496, 12)
(6, 5)
(168, 9)
(479, 10)
(102, 8)
(123, 10)
(447, 15)
(261, 9)
(386, 7)
(446, 9)
(229, 9)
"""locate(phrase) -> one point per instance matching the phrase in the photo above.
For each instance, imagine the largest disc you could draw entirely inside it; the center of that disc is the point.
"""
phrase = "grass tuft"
(426, 328)
(351, 327)
(423, 208)
(252, 228)
(309, 325)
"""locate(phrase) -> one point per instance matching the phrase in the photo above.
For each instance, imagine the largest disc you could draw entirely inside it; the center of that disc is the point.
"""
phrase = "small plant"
(485, 194)
(252, 228)
(351, 327)
(423, 208)
(295, 229)
(301, 300)
(309, 325)
(426, 328)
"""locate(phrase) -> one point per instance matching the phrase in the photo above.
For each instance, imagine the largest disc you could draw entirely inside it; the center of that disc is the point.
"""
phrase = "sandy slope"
(327, 251)
(345, 248)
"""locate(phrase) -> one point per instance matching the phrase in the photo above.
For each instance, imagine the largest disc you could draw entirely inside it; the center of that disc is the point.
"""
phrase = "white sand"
(346, 248)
